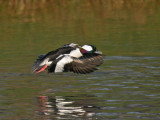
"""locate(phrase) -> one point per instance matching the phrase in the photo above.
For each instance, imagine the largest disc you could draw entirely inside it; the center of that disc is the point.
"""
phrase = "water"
(126, 86)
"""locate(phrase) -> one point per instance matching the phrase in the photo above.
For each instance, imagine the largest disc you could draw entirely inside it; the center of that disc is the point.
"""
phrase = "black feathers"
(84, 64)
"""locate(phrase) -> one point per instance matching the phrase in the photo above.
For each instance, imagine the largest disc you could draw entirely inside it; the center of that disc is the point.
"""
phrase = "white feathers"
(76, 53)
(73, 45)
(60, 65)
(38, 64)
(45, 62)
(87, 47)
(67, 58)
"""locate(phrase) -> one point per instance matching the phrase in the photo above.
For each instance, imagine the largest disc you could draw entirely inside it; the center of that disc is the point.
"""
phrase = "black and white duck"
(69, 58)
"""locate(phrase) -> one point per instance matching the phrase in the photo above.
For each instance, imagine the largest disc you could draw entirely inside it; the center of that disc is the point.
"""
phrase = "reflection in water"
(60, 108)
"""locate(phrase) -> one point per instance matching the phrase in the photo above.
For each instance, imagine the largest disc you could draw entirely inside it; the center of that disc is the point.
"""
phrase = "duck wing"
(54, 54)
(51, 56)
(85, 64)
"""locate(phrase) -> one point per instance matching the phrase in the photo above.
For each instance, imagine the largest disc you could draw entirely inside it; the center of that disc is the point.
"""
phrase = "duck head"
(89, 49)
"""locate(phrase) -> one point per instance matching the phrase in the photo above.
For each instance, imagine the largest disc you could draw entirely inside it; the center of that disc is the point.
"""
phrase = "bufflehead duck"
(70, 58)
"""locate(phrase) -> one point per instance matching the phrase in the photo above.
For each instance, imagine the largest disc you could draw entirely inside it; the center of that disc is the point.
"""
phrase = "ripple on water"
(124, 88)
(129, 58)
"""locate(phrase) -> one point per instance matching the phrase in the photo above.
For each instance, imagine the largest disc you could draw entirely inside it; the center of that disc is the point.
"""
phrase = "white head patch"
(87, 47)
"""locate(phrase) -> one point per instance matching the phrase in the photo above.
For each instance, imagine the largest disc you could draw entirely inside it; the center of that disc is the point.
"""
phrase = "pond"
(127, 84)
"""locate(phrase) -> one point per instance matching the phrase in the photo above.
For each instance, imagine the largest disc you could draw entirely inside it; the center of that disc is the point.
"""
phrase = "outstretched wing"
(85, 64)
(66, 49)
(52, 55)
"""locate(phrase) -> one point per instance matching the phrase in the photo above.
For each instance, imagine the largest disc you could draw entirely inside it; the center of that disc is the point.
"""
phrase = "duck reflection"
(60, 107)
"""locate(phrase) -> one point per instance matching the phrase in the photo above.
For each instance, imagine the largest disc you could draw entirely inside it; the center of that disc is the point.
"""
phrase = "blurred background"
(117, 27)
(126, 31)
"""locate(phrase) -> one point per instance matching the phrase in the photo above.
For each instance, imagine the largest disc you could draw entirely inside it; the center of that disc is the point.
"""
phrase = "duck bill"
(98, 52)
(40, 69)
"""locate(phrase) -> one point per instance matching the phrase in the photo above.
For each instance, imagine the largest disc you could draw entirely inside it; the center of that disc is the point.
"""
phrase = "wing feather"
(85, 64)
(52, 55)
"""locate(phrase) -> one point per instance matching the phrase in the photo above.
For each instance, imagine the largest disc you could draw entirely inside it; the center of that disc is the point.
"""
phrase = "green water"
(126, 87)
